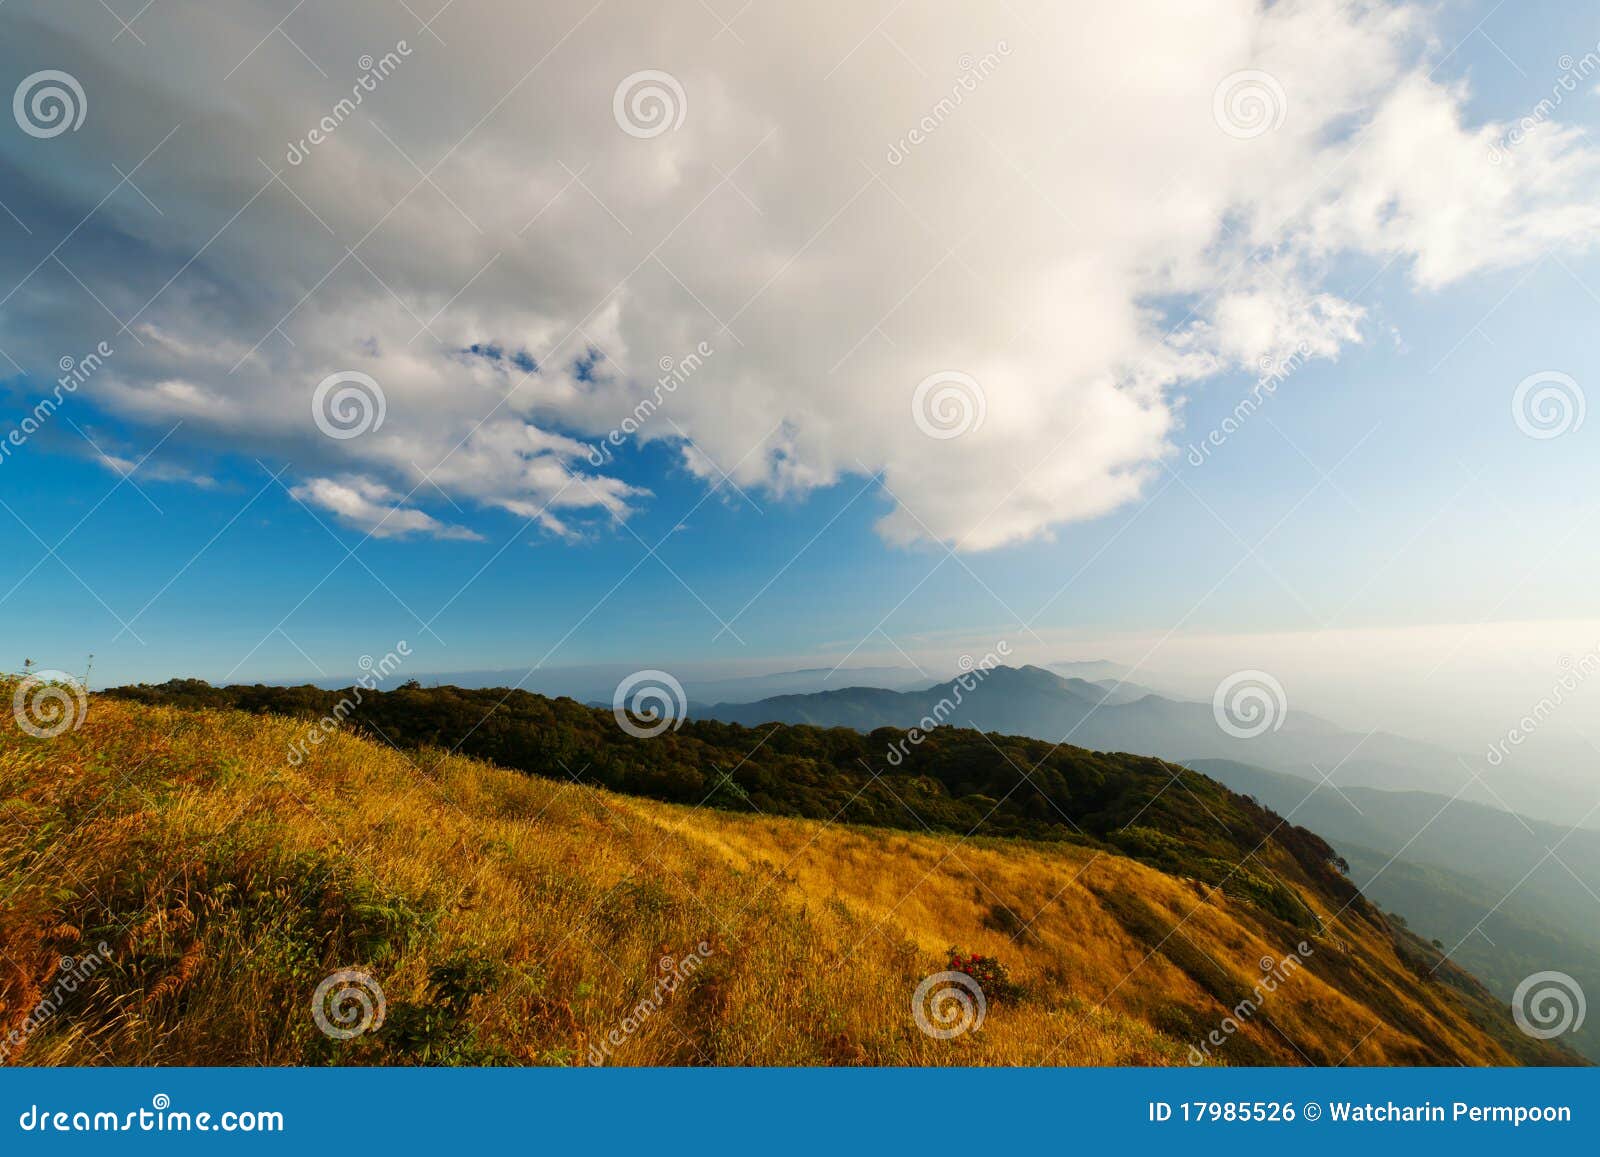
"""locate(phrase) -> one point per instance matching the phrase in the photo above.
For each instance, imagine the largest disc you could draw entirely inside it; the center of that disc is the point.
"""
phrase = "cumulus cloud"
(1066, 212)
(371, 506)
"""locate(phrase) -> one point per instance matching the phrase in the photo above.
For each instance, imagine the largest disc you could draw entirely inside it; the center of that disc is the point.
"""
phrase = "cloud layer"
(1057, 219)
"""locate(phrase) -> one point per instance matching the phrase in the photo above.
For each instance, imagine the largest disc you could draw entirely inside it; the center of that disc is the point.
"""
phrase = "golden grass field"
(514, 919)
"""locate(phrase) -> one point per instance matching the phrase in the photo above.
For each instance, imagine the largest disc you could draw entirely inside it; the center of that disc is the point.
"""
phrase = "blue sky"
(1413, 440)
(1385, 485)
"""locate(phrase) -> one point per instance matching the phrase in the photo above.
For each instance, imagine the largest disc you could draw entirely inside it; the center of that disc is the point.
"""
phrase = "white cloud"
(370, 506)
(1079, 236)
(153, 471)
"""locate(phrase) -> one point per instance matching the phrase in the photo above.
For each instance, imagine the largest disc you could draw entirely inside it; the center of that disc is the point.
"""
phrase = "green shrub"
(992, 976)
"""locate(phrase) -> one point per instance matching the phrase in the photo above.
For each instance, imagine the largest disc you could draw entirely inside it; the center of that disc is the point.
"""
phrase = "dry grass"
(514, 919)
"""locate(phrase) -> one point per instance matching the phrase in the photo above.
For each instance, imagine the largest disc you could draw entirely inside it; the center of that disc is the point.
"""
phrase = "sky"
(746, 338)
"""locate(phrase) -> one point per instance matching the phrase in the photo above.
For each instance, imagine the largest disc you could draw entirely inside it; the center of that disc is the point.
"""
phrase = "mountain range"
(597, 683)
(1110, 715)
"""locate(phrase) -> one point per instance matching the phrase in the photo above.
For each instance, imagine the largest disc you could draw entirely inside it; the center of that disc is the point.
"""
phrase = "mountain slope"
(1501, 849)
(1508, 896)
(521, 919)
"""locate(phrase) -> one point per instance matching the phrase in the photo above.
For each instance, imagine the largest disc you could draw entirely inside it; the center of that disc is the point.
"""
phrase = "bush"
(992, 976)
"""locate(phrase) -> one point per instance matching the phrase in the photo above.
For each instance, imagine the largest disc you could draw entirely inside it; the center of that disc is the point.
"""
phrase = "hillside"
(1509, 896)
(512, 918)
